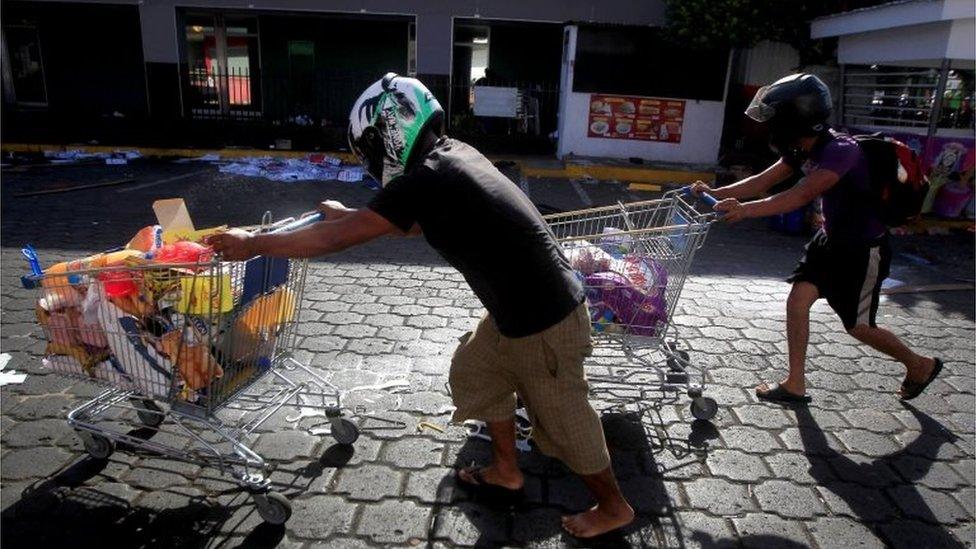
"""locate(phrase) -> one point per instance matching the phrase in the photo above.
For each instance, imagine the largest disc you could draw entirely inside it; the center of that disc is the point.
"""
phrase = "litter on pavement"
(75, 155)
(313, 167)
(11, 377)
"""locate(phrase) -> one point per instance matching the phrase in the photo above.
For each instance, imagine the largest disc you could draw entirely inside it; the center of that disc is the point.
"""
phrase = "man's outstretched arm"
(322, 238)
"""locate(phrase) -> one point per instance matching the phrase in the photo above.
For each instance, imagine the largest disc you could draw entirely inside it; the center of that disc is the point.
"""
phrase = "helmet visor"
(758, 110)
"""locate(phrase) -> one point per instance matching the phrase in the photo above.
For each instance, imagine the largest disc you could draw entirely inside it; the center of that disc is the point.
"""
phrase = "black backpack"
(898, 182)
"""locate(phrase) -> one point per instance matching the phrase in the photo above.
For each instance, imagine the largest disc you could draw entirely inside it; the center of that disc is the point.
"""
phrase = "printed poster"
(640, 118)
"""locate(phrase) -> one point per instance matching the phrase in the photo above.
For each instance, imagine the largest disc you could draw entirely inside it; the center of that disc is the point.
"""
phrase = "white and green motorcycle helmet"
(388, 121)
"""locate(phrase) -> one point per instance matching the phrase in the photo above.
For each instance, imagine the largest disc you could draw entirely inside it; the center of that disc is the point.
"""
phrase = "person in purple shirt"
(849, 258)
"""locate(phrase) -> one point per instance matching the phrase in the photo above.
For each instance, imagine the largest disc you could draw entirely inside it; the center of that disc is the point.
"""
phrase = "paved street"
(856, 468)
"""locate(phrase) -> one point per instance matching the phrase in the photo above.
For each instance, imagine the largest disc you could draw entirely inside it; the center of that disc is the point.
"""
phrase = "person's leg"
(553, 385)
(482, 389)
(919, 368)
(802, 297)
(864, 328)
(610, 512)
(503, 470)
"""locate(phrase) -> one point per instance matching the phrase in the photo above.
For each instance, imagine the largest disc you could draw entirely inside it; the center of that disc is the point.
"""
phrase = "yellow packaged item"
(205, 294)
(175, 235)
(269, 311)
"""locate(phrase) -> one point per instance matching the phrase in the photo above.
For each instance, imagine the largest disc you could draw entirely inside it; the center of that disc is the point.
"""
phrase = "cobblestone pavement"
(855, 468)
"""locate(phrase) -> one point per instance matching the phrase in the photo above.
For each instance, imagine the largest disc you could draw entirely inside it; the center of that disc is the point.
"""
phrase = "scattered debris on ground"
(11, 377)
(313, 167)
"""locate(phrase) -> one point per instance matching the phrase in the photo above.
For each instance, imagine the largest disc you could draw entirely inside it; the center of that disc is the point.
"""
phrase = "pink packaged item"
(640, 313)
(645, 273)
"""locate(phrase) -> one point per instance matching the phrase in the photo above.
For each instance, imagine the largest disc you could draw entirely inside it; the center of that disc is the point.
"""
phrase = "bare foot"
(493, 475)
(596, 521)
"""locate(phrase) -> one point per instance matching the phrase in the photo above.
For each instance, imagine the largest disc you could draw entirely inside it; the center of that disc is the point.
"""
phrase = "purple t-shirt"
(849, 213)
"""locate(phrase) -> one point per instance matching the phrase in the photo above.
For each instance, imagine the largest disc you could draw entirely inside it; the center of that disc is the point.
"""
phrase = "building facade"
(295, 63)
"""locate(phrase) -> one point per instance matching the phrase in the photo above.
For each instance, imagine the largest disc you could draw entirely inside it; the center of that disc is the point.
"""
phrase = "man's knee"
(798, 306)
(801, 298)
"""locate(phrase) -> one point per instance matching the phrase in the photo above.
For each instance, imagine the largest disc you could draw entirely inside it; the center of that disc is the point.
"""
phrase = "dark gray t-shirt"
(487, 229)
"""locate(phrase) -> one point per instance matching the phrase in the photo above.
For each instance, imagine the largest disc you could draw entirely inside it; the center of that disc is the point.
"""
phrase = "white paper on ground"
(11, 378)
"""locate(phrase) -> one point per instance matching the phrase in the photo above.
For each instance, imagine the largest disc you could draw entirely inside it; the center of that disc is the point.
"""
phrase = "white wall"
(962, 40)
(700, 135)
(766, 62)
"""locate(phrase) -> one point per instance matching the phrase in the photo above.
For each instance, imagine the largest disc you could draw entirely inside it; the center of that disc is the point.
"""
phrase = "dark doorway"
(502, 98)
(70, 68)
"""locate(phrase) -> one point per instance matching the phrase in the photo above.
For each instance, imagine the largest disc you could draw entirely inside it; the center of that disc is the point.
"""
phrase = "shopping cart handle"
(31, 256)
(299, 223)
(708, 199)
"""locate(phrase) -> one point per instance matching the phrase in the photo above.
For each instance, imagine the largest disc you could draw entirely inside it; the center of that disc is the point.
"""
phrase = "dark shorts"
(848, 276)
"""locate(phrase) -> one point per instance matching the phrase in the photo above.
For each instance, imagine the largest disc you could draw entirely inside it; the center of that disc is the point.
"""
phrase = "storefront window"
(222, 60)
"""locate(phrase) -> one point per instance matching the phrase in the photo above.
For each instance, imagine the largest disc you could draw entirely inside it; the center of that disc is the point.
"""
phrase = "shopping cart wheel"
(274, 508)
(703, 407)
(150, 414)
(344, 431)
(98, 446)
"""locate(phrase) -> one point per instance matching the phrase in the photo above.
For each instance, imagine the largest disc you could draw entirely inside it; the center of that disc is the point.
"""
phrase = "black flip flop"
(911, 389)
(491, 494)
(777, 393)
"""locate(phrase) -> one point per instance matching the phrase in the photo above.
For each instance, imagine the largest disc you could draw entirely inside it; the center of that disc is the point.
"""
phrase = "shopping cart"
(194, 357)
(633, 260)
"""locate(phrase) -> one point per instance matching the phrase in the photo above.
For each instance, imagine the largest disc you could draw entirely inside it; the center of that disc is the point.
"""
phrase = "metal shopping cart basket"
(194, 357)
(633, 260)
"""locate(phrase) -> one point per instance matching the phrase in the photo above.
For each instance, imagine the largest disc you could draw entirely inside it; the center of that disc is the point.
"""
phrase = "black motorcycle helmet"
(793, 107)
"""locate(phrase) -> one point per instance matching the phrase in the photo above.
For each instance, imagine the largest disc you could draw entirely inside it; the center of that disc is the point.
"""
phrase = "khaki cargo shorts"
(546, 371)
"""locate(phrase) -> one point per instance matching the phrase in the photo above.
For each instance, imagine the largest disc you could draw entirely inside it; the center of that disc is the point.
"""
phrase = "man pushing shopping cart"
(533, 340)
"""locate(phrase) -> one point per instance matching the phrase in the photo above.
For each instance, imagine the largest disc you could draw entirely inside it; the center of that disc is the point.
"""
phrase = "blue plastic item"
(30, 281)
(263, 274)
(708, 199)
(35, 264)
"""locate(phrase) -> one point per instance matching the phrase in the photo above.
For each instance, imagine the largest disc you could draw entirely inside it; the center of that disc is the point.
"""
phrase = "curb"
(637, 178)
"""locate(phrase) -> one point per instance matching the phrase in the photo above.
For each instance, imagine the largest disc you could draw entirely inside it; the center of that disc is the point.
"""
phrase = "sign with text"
(641, 118)
(496, 101)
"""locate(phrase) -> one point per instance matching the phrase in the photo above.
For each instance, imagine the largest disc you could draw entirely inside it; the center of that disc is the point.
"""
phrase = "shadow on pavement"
(552, 491)
(764, 541)
(912, 461)
(61, 512)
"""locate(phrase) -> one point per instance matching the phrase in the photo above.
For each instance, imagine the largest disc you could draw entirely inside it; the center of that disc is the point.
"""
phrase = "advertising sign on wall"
(640, 118)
